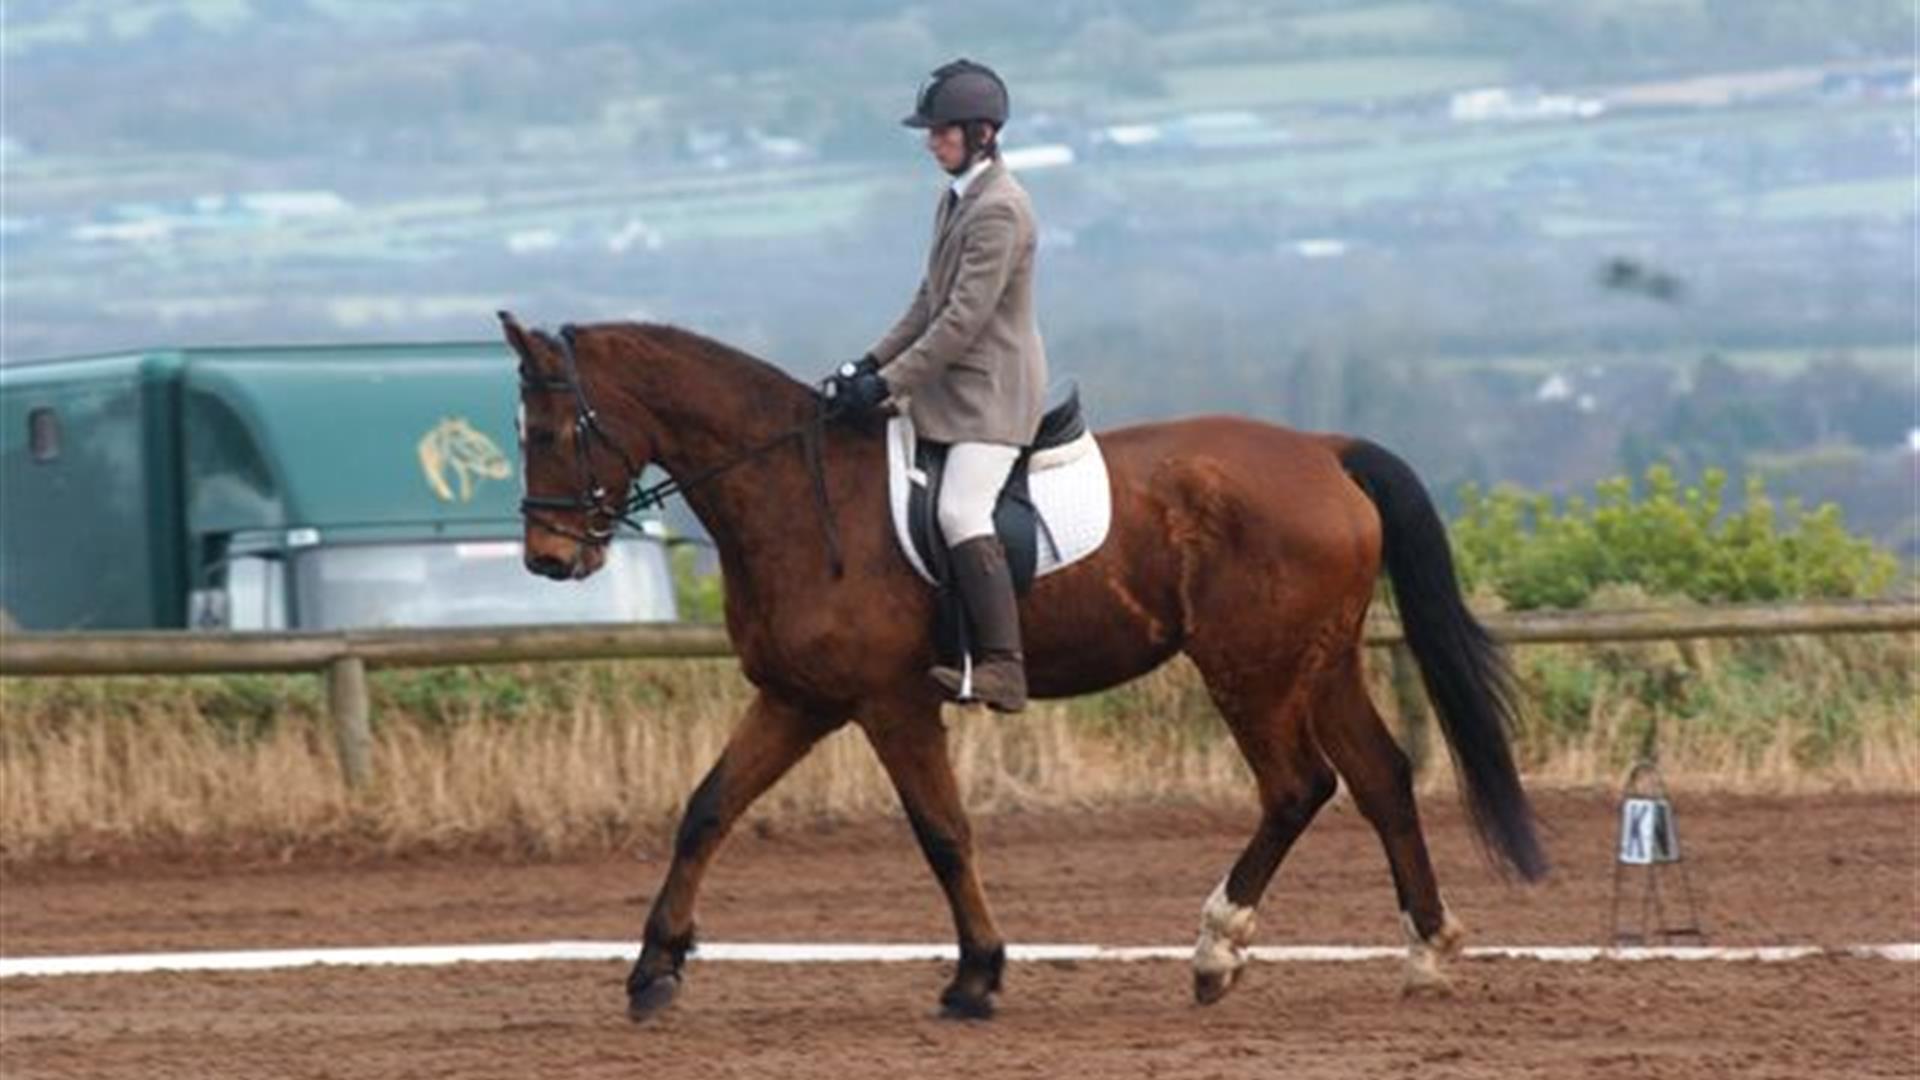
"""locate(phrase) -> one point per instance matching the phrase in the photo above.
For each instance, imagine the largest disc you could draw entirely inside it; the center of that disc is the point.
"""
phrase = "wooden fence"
(344, 657)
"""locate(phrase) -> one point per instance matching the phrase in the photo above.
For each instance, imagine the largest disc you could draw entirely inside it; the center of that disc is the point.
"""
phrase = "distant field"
(1573, 226)
(819, 195)
(683, 205)
(1429, 156)
(1889, 358)
(1891, 197)
(135, 18)
(1218, 55)
(1407, 21)
(1353, 176)
(801, 200)
(1892, 358)
(1357, 78)
(1205, 86)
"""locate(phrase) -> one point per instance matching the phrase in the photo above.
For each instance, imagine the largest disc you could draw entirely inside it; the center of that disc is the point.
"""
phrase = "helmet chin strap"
(975, 150)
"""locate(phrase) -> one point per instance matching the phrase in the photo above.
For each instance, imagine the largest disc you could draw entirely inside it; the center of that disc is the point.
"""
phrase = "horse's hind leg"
(1294, 783)
(1378, 774)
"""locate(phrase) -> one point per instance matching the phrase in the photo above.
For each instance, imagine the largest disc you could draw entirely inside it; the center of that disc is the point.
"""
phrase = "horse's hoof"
(957, 1004)
(1426, 972)
(649, 998)
(1425, 983)
(1211, 986)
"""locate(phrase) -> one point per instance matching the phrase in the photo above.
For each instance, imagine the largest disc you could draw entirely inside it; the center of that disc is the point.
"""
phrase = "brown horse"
(1251, 548)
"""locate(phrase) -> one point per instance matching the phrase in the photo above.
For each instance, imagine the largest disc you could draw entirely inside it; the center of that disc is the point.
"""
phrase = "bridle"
(600, 509)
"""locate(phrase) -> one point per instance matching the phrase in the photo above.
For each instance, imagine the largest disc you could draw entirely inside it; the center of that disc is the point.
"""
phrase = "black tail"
(1465, 671)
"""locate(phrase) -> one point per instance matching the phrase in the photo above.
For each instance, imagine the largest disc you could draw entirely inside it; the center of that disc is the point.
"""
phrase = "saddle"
(1055, 509)
(1015, 519)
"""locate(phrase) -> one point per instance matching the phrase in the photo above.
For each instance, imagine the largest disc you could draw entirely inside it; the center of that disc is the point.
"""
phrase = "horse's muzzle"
(548, 566)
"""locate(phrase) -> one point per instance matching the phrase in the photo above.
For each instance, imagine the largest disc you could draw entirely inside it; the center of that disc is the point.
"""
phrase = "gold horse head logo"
(457, 446)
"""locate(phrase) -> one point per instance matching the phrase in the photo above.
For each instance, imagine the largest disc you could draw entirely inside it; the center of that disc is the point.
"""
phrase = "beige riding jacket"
(967, 353)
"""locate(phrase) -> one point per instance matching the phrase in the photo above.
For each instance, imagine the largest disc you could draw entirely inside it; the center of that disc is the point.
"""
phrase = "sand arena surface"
(1828, 870)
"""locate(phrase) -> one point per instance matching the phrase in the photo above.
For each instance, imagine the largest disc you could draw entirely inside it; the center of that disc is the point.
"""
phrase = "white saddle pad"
(1068, 485)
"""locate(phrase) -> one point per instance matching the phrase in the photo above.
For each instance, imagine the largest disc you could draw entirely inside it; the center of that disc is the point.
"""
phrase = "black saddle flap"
(1015, 521)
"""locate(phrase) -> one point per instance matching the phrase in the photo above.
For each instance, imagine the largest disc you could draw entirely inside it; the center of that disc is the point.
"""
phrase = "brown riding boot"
(986, 590)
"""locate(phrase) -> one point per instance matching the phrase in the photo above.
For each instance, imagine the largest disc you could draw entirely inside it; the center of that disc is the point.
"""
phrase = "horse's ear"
(516, 336)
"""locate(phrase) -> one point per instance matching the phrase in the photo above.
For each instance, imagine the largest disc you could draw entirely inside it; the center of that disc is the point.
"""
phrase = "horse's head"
(575, 469)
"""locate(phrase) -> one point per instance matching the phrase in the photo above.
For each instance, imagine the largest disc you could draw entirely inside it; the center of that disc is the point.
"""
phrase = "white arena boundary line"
(764, 953)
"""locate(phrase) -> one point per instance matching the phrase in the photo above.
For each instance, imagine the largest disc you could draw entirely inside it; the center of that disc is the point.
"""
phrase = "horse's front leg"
(770, 738)
(912, 744)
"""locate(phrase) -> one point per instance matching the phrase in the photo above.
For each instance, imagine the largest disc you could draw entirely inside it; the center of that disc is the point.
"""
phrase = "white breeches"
(975, 474)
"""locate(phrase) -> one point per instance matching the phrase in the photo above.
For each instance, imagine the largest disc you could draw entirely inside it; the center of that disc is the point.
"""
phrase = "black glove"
(856, 388)
(864, 393)
(835, 384)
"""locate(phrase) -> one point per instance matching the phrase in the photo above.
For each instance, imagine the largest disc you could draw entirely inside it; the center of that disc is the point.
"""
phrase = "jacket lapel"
(987, 177)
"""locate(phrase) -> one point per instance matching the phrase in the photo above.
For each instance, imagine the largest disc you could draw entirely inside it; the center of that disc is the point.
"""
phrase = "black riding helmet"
(958, 93)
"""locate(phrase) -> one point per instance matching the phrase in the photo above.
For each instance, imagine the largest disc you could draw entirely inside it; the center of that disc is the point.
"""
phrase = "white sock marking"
(1226, 929)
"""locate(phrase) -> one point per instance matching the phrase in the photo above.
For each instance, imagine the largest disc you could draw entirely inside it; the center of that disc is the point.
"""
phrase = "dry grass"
(1789, 715)
(540, 761)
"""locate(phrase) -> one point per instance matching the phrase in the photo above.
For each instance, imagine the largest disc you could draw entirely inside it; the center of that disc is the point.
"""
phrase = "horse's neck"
(716, 419)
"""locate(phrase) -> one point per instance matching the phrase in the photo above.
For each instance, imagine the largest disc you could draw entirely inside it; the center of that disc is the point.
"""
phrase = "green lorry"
(305, 487)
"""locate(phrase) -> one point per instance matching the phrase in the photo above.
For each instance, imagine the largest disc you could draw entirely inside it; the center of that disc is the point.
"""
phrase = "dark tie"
(953, 200)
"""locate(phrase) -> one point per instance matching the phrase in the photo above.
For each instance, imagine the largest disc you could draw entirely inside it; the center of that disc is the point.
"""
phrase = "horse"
(1252, 548)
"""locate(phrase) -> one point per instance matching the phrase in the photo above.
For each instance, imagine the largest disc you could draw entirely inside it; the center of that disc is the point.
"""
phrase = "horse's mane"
(762, 376)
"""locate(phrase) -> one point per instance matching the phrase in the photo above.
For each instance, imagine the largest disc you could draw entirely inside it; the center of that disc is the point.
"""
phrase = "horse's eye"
(540, 437)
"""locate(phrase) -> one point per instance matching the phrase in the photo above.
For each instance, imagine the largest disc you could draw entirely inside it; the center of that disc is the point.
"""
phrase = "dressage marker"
(1650, 846)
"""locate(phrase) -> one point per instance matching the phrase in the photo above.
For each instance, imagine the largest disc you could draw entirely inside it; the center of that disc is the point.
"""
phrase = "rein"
(594, 501)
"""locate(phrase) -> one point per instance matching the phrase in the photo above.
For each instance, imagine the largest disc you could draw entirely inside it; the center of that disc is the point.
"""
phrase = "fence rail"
(345, 657)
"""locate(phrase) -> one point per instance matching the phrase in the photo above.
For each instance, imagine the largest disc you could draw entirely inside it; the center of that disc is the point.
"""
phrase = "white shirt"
(961, 182)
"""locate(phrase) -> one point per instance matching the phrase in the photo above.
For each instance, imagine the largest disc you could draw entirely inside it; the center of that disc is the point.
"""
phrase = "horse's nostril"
(547, 566)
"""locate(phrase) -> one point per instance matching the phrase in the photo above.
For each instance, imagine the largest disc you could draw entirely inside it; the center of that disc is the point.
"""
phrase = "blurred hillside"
(1521, 240)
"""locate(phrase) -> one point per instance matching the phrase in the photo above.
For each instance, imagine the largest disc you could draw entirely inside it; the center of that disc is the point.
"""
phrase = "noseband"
(600, 509)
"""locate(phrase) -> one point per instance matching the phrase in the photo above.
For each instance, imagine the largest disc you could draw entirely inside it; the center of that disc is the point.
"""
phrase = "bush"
(698, 597)
(1669, 541)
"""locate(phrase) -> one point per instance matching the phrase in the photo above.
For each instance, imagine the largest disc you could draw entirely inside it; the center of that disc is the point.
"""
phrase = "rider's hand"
(855, 388)
(864, 393)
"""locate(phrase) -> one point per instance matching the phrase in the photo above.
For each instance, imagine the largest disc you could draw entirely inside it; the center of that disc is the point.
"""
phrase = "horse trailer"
(307, 487)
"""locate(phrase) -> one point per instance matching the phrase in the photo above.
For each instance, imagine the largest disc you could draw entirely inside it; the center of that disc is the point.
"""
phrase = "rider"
(967, 361)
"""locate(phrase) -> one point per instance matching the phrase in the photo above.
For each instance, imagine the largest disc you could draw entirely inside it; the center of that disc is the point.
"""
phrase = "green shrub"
(1667, 539)
(698, 597)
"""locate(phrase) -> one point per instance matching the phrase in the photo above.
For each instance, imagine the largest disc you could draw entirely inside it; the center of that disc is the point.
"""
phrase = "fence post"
(347, 702)
(1410, 703)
